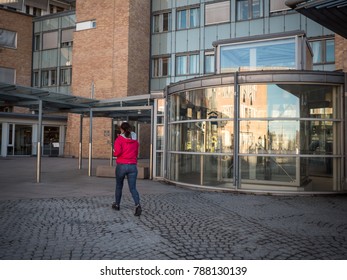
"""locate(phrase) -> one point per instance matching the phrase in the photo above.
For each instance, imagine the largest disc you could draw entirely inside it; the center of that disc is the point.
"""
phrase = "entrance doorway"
(19, 140)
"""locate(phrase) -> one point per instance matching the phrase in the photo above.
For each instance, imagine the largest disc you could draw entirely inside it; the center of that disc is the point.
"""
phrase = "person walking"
(126, 149)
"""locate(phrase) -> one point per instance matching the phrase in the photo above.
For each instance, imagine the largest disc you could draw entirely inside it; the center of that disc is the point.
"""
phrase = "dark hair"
(127, 129)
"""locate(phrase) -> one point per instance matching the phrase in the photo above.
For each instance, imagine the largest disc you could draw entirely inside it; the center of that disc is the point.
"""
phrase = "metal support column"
(90, 142)
(236, 167)
(80, 143)
(39, 140)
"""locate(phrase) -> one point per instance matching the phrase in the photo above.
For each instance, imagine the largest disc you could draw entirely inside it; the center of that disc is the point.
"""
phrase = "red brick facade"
(114, 57)
(340, 53)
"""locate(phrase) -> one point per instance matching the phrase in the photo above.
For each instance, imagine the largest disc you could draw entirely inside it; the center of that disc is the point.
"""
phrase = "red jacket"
(126, 150)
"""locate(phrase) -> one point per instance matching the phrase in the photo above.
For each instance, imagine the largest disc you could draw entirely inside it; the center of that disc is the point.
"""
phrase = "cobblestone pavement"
(176, 223)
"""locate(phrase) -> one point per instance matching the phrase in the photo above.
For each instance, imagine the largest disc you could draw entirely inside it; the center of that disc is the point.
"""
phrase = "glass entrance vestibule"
(265, 130)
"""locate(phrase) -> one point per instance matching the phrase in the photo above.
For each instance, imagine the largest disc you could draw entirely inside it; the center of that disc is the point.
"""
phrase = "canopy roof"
(54, 102)
(332, 14)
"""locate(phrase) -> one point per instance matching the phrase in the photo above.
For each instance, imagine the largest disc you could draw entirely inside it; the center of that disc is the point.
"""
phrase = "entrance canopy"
(40, 101)
(332, 14)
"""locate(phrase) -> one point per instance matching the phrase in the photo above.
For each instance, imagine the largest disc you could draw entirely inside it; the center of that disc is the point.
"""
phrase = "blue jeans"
(129, 171)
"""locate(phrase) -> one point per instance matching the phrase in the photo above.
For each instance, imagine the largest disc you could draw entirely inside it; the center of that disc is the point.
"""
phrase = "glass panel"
(257, 8)
(217, 12)
(156, 67)
(277, 54)
(44, 78)
(209, 63)
(161, 106)
(329, 51)
(317, 137)
(269, 137)
(51, 141)
(317, 51)
(194, 64)
(50, 24)
(165, 71)
(287, 101)
(156, 23)
(166, 21)
(65, 76)
(68, 21)
(160, 137)
(206, 136)
(242, 9)
(207, 170)
(181, 65)
(203, 104)
(53, 77)
(182, 19)
(22, 140)
(266, 168)
(8, 38)
(159, 165)
(194, 17)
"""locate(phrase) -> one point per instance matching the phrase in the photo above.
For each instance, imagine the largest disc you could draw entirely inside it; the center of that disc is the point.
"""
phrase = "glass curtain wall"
(201, 136)
(289, 136)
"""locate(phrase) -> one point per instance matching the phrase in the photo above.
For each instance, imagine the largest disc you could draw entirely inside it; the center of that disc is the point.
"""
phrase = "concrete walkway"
(68, 216)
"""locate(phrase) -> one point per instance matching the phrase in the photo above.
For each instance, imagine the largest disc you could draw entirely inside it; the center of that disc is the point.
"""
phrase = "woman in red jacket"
(126, 149)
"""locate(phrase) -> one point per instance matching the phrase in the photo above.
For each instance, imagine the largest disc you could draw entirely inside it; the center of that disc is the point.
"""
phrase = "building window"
(37, 42)
(323, 51)
(209, 62)
(188, 18)
(217, 12)
(249, 9)
(162, 22)
(161, 67)
(8, 39)
(36, 79)
(65, 76)
(261, 55)
(50, 40)
(187, 64)
(7, 75)
(49, 78)
(67, 37)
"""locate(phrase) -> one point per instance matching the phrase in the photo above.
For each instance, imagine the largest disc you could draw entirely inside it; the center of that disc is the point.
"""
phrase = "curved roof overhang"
(332, 14)
(252, 77)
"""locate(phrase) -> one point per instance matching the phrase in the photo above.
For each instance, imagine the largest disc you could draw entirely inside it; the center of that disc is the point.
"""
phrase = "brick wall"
(340, 53)
(114, 57)
(20, 58)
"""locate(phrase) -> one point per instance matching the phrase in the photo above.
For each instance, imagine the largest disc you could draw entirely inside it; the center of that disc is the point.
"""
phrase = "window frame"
(188, 21)
(323, 50)
(158, 67)
(5, 43)
(188, 59)
(69, 74)
(51, 79)
(159, 27)
(250, 10)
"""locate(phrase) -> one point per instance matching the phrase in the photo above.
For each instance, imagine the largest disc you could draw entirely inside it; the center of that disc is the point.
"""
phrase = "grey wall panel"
(223, 31)
(155, 47)
(165, 43)
(181, 41)
(242, 29)
(293, 22)
(256, 27)
(276, 24)
(193, 39)
(210, 35)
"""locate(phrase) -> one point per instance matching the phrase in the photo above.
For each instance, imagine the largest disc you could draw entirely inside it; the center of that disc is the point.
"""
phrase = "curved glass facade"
(267, 131)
